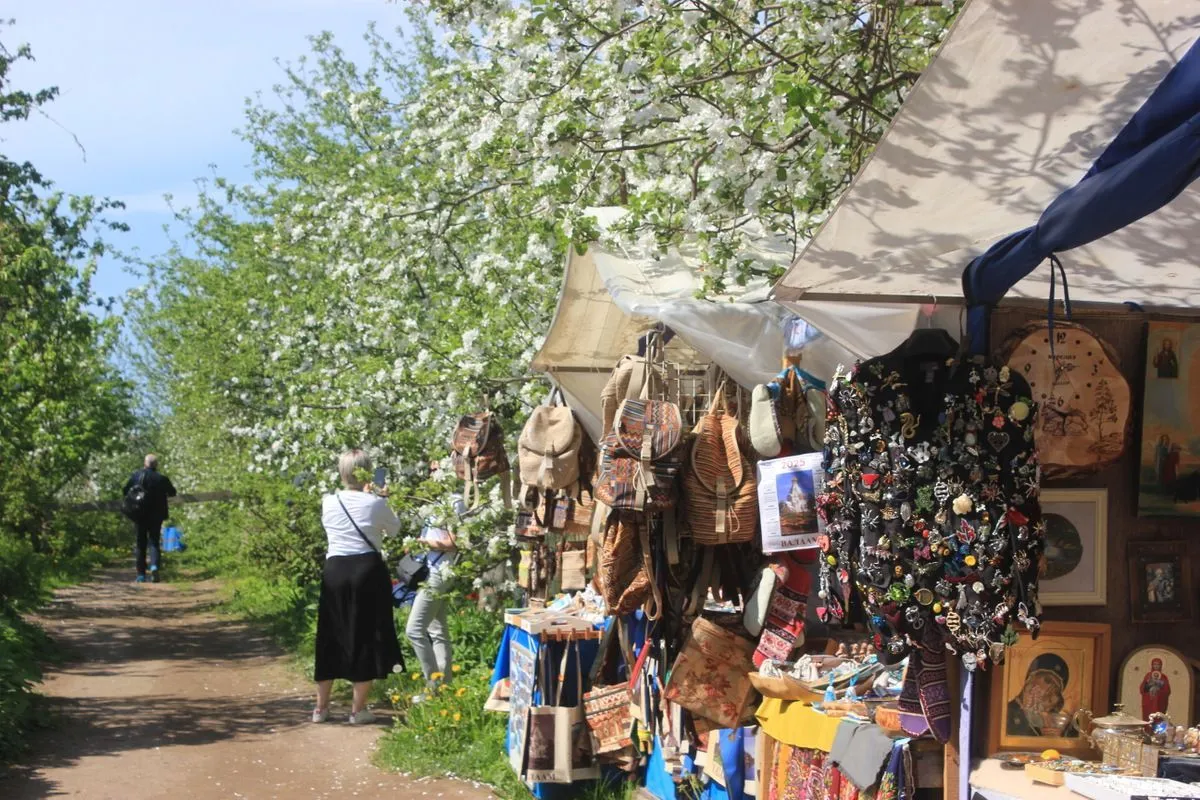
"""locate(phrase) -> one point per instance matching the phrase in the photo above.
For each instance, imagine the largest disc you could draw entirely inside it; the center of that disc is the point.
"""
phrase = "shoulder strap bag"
(412, 570)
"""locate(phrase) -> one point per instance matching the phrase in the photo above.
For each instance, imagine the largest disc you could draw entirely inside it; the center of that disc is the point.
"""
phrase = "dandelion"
(456, 668)
(462, 690)
(457, 716)
(416, 676)
(445, 712)
(437, 676)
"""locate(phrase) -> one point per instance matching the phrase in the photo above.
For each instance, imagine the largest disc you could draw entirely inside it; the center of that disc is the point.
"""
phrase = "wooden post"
(950, 760)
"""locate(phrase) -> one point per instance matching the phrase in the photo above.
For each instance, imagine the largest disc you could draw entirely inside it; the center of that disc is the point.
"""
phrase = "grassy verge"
(449, 735)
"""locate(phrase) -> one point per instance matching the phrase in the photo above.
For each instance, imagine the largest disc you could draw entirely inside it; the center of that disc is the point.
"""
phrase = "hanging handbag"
(631, 376)
(559, 741)
(572, 570)
(477, 452)
(548, 448)
(626, 573)
(711, 675)
(787, 414)
(641, 457)
(720, 488)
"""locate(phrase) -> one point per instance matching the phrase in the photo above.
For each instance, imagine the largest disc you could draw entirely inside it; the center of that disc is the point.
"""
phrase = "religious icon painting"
(1042, 688)
(1156, 678)
(1160, 581)
(1074, 565)
(1169, 476)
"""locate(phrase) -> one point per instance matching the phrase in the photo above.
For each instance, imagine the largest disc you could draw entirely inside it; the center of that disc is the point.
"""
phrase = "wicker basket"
(784, 688)
(887, 716)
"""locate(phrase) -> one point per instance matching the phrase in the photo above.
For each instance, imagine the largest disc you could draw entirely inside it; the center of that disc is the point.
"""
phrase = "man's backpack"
(641, 457)
(477, 450)
(137, 500)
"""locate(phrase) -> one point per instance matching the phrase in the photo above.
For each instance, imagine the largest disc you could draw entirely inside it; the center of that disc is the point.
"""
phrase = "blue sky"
(153, 90)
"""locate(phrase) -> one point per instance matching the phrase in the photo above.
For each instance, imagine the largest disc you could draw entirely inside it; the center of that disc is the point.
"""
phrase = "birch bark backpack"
(477, 451)
(548, 449)
(720, 488)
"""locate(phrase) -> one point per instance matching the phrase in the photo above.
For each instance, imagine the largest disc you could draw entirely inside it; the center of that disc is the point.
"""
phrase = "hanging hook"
(1056, 269)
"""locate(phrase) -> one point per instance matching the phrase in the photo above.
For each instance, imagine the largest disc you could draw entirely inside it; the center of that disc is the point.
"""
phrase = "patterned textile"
(779, 771)
(894, 785)
(642, 457)
(710, 677)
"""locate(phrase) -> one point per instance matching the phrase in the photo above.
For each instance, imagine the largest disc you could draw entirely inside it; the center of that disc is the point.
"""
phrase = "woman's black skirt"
(356, 635)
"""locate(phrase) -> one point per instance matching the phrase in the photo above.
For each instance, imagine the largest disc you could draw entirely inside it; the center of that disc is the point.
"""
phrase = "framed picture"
(1160, 582)
(1156, 678)
(1039, 691)
(1169, 478)
(1074, 569)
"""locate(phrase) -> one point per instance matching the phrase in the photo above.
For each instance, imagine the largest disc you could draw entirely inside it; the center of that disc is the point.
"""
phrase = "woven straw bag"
(720, 489)
(548, 448)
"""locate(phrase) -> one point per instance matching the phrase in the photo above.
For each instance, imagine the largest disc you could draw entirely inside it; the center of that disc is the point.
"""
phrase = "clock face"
(1083, 398)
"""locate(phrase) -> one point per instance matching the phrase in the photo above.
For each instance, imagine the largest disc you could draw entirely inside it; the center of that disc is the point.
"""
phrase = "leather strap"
(654, 605)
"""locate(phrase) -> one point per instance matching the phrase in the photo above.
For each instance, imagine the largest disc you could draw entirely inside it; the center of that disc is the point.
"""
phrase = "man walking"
(146, 494)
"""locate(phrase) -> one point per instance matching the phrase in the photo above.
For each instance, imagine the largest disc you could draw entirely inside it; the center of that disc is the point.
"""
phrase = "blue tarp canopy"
(1030, 114)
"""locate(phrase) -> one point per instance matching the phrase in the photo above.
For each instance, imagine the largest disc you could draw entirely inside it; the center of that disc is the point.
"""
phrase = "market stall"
(1032, 126)
(866, 582)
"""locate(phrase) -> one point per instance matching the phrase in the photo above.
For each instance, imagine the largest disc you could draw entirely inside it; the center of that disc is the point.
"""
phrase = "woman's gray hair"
(349, 464)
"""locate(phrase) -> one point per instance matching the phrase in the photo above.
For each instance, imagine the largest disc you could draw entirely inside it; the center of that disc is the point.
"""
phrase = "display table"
(807, 755)
(991, 780)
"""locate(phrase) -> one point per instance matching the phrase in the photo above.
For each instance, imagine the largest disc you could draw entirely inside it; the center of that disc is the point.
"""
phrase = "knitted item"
(926, 693)
(783, 630)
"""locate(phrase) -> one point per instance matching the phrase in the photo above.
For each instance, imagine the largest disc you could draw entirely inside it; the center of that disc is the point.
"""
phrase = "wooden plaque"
(1084, 401)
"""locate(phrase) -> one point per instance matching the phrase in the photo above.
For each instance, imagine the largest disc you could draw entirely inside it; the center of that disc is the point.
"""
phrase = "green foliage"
(63, 405)
(22, 648)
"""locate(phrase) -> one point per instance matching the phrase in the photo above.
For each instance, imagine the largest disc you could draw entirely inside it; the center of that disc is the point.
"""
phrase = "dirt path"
(161, 697)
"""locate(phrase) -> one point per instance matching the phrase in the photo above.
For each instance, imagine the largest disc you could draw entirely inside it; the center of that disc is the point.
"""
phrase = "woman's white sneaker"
(364, 717)
(320, 715)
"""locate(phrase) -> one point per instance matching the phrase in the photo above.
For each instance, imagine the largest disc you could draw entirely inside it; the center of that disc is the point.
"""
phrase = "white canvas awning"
(613, 294)
(1021, 99)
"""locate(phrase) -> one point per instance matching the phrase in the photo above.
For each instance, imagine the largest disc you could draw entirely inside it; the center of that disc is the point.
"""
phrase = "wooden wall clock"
(1083, 398)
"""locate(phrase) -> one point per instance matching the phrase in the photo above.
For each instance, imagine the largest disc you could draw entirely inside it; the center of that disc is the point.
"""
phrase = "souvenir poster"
(1169, 479)
(787, 502)
(521, 668)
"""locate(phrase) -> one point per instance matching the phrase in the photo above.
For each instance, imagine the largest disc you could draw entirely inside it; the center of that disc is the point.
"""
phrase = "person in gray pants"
(428, 626)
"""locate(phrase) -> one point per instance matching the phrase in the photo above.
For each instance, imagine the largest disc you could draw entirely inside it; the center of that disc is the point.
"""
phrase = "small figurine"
(830, 693)
(852, 693)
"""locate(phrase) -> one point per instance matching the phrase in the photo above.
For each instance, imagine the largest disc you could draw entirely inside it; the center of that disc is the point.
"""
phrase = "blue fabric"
(587, 652)
(172, 541)
(658, 781)
(1154, 158)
